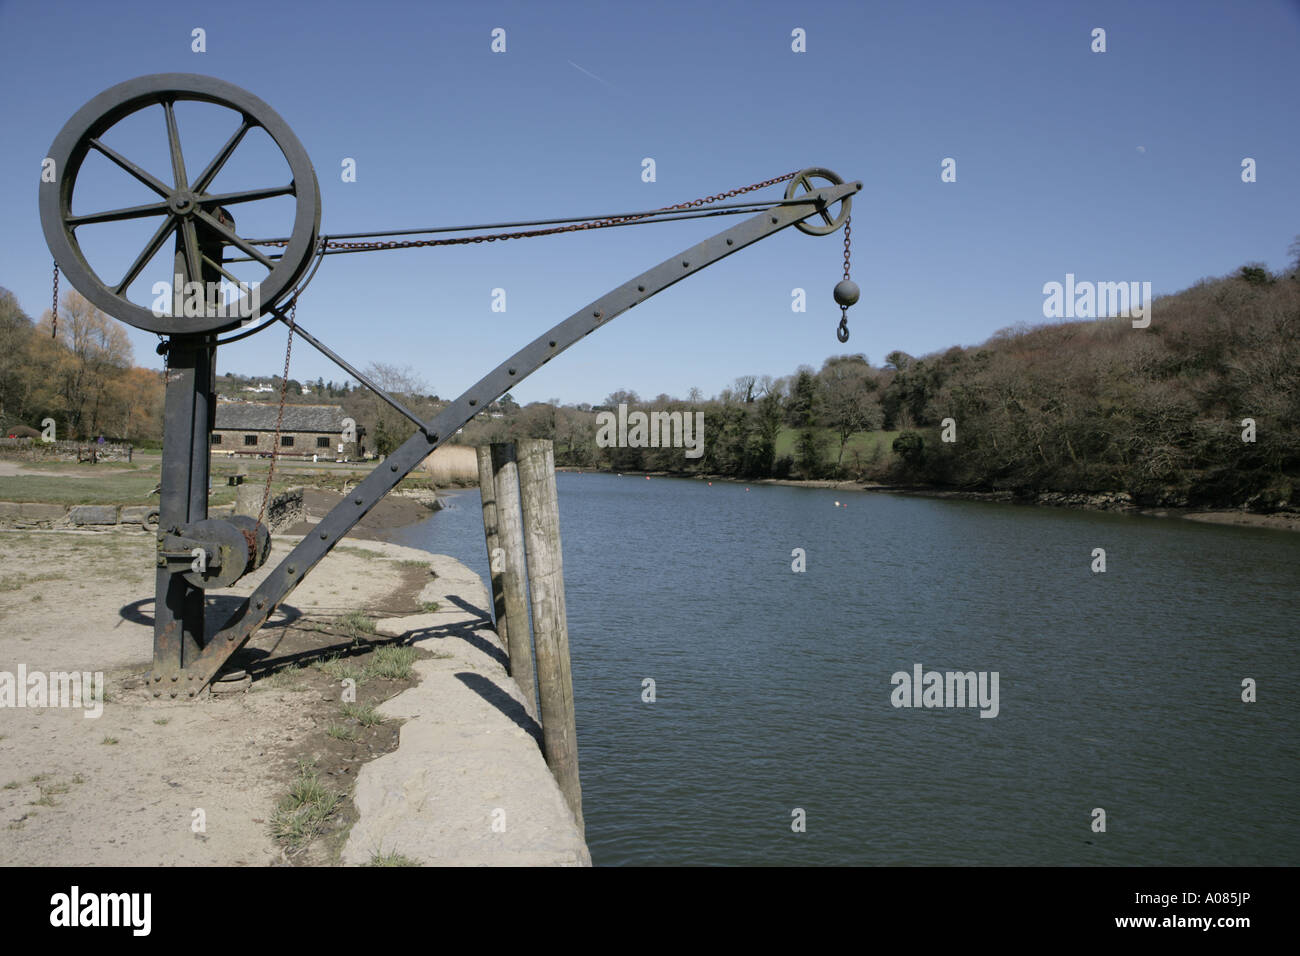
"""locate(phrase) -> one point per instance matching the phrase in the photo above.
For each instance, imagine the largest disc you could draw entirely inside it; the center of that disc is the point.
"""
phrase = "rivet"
(472, 401)
(511, 371)
(596, 314)
(731, 242)
(176, 677)
(552, 346)
(292, 569)
(640, 288)
(774, 218)
(392, 468)
(685, 264)
(261, 603)
(356, 501)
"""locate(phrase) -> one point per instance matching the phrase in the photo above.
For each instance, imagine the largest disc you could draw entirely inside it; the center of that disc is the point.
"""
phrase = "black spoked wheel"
(187, 211)
(830, 221)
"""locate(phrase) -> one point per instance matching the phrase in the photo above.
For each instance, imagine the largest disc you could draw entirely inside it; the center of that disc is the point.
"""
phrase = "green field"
(863, 443)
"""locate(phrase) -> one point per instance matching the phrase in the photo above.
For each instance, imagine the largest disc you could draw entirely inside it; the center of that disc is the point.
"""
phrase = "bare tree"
(385, 426)
(97, 352)
(622, 397)
(851, 404)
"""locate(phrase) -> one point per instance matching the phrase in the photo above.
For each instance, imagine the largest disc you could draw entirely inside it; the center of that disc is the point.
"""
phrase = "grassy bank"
(73, 483)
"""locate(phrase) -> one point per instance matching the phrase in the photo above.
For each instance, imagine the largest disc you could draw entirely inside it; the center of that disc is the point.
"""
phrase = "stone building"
(248, 428)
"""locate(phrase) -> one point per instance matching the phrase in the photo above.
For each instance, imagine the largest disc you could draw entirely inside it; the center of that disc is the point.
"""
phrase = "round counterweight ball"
(846, 292)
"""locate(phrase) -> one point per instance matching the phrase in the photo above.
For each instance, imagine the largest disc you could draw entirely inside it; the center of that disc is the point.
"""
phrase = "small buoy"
(837, 504)
(647, 477)
(710, 484)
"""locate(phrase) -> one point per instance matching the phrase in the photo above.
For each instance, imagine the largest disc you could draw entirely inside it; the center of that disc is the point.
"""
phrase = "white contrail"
(592, 75)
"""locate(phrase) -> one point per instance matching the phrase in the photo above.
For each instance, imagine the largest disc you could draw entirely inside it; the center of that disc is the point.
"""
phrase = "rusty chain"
(54, 310)
(554, 230)
(464, 240)
(279, 418)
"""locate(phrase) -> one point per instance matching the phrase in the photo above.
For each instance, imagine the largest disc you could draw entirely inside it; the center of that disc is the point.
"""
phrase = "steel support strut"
(189, 411)
(277, 586)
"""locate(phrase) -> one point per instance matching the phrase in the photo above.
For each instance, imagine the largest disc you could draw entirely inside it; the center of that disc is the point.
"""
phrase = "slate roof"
(254, 417)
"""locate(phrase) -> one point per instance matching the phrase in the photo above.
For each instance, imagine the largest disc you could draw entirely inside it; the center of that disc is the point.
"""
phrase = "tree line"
(1202, 407)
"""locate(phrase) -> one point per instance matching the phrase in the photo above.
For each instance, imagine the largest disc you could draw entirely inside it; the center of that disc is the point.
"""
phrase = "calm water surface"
(1119, 690)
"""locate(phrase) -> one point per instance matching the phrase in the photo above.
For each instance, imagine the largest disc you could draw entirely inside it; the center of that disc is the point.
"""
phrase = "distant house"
(248, 428)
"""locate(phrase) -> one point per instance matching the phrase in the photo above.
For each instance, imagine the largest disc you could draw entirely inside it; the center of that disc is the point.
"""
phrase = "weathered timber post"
(510, 534)
(550, 622)
(496, 555)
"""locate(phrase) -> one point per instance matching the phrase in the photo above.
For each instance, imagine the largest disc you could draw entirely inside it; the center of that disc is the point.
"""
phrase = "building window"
(286, 441)
(216, 439)
(322, 441)
(250, 439)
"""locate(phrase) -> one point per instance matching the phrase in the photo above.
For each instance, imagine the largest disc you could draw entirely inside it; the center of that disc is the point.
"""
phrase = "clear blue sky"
(1115, 167)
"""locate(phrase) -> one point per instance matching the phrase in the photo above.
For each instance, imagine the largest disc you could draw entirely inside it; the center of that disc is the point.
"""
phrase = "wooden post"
(510, 535)
(496, 555)
(550, 622)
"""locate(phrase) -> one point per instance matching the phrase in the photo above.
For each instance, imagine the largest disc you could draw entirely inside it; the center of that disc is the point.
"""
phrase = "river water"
(774, 691)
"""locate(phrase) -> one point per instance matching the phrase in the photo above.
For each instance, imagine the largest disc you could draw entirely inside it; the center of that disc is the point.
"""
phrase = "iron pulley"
(830, 220)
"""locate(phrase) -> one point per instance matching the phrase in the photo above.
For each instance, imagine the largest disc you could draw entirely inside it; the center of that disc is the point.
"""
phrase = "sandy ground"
(468, 784)
(128, 787)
